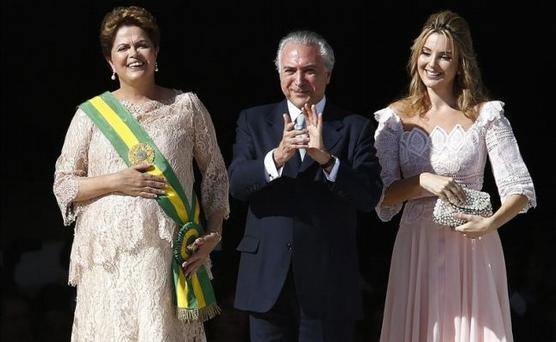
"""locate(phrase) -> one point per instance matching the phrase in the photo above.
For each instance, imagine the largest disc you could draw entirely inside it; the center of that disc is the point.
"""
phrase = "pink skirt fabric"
(444, 287)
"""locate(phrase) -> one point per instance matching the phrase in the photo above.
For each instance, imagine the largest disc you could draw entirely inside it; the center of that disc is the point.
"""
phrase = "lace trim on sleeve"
(71, 165)
(65, 190)
(510, 172)
(214, 183)
(387, 136)
(491, 111)
(208, 268)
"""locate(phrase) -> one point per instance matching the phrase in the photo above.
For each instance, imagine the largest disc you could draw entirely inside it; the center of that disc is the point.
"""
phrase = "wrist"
(422, 178)
(492, 223)
(321, 156)
(216, 235)
(112, 183)
(329, 162)
(277, 159)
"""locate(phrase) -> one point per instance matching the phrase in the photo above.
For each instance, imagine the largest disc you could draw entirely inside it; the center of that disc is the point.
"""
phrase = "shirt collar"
(294, 111)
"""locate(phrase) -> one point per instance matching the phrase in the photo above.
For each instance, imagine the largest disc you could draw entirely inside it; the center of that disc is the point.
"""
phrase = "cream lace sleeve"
(214, 184)
(72, 164)
(387, 144)
(510, 172)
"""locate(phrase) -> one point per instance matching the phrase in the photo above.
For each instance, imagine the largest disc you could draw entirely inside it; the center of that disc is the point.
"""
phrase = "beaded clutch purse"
(476, 203)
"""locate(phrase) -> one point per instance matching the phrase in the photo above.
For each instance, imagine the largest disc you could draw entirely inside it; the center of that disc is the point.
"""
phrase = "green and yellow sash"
(194, 295)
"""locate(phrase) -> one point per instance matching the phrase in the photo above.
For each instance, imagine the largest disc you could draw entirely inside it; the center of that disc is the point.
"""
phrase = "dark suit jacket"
(301, 219)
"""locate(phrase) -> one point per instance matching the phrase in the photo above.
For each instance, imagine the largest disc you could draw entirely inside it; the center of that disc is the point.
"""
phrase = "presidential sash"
(194, 295)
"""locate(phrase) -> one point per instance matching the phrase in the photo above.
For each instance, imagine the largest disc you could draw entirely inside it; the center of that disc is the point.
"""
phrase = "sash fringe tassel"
(199, 315)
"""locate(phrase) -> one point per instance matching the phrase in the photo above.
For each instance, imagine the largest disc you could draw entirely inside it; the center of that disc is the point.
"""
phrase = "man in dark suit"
(304, 175)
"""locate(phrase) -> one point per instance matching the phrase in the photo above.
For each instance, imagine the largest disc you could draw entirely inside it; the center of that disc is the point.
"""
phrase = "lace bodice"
(182, 129)
(460, 154)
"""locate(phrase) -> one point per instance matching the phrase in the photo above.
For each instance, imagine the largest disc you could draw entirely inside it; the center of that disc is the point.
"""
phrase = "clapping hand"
(292, 140)
(316, 148)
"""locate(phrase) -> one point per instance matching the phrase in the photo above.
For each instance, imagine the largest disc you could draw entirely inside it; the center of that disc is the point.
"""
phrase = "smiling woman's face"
(133, 55)
(437, 65)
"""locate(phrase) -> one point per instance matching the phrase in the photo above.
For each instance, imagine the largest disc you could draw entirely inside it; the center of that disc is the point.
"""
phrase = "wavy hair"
(468, 86)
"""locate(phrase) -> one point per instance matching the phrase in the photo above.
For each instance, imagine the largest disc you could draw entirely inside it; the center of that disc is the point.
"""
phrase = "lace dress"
(121, 254)
(444, 287)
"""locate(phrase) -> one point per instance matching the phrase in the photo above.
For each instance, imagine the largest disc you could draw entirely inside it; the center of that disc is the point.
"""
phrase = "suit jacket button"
(290, 246)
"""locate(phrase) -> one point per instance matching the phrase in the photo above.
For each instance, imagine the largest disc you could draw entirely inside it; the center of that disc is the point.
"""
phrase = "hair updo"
(122, 16)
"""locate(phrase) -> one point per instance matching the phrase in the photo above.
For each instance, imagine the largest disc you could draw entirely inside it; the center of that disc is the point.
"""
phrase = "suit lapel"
(276, 122)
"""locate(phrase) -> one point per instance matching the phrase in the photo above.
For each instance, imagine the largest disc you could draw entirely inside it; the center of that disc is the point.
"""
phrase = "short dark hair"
(121, 16)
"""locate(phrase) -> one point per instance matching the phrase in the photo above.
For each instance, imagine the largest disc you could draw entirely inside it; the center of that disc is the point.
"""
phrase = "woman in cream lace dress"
(122, 250)
(447, 285)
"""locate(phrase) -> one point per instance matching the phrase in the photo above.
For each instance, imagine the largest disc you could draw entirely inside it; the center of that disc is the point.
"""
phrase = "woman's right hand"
(445, 188)
(134, 181)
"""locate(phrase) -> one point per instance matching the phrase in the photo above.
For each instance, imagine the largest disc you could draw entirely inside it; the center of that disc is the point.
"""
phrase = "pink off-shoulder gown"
(444, 287)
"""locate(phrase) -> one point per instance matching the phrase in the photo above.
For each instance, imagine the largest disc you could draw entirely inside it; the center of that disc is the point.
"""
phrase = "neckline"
(170, 99)
(151, 104)
(437, 127)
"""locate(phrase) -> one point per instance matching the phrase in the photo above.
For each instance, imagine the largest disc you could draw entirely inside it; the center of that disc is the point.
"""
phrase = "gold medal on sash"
(140, 153)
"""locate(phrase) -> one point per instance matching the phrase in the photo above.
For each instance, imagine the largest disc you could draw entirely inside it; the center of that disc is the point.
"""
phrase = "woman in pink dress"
(447, 284)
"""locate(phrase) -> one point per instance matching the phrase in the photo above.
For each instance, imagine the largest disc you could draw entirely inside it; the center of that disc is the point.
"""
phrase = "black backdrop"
(224, 51)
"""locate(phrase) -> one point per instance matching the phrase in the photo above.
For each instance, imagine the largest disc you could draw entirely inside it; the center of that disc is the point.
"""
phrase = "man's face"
(303, 75)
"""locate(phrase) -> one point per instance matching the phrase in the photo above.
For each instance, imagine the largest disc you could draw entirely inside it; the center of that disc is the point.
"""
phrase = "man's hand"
(316, 148)
(292, 140)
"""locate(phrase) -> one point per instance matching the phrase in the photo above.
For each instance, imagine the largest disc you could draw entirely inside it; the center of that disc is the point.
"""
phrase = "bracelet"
(329, 163)
(218, 235)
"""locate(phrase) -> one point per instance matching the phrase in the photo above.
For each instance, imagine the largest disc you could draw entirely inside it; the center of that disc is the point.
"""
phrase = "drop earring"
(113, 77)
(156, 67)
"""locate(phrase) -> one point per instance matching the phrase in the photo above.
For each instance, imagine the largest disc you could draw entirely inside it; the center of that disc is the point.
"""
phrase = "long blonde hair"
(468, 86)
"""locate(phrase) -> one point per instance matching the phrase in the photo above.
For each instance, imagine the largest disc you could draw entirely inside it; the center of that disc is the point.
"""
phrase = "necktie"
(300, 124)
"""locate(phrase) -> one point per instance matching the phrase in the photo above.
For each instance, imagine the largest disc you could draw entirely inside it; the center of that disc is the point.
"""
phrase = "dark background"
(224, 51)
